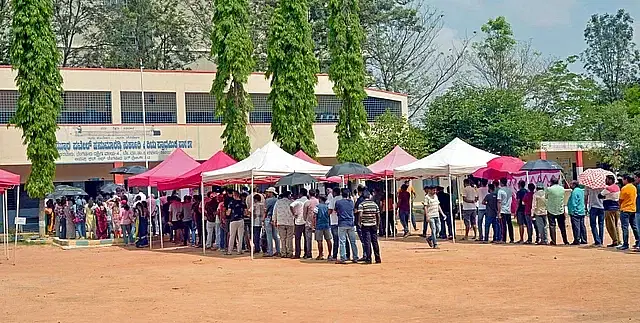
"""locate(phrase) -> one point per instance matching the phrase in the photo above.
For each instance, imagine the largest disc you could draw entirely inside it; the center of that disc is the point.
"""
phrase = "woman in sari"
(101, 220)
(61, 220)
(91, 219)
(115, 216)
(141, 212)
(70, 217)
(80, 219)
(49, 216)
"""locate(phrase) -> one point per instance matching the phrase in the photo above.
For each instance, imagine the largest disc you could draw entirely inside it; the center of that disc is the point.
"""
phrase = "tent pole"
(15, 246)
(160, 224)
(386, 200)
(150, 219)
(453, 223)
(202, 236)
(5, 223)
(395, 203)
(252, 220)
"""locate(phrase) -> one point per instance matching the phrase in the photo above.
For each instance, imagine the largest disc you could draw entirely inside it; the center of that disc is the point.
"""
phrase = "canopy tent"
(396, 158)
(177, 163)
(302, 155)
(8, 180)
(456, 158)
(269, 161)
(192, 177)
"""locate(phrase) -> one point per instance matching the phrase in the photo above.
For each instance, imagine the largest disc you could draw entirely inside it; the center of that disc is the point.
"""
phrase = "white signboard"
(20, 220)
(105, 144)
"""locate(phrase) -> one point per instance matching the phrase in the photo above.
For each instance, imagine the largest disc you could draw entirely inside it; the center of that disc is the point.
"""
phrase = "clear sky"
(555, 27)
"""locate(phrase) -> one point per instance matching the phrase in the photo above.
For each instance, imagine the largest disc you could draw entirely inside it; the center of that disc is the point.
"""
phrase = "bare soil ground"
(462, 282)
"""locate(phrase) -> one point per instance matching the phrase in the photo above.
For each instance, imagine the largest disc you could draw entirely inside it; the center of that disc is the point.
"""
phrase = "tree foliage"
(35, 57)
(492, 119)
(232, 46)
(499, 60)
(611, 55)
(72, 19)
(5, 31)
(156, 31)
(390, 130)
(292, 67)
(347, 73)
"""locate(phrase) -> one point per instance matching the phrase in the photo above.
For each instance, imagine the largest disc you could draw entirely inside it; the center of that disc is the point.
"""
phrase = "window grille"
(85, 107)
(200, 107)
(160, 107)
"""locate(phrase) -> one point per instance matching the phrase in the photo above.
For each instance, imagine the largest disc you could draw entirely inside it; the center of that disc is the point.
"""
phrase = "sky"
(555, 27)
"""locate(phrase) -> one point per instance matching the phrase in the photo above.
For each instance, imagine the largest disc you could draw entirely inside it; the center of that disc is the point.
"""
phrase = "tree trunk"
(42, 222)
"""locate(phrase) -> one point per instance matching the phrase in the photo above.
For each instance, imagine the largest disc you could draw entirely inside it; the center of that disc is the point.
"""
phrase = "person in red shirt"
(404, 200)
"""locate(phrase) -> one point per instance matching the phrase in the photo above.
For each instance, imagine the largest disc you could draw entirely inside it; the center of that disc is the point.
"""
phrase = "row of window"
(93, 107)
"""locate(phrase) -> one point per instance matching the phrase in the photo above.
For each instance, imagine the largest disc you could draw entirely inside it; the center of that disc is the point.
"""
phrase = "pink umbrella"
(491, 174)
(506, 164)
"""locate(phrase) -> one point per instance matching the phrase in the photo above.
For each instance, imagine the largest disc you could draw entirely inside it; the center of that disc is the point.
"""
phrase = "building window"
(161, 107)
(376, 107)
(262, 111)
(328, 109)
(86, 107)
(8, 105)
(201, 108)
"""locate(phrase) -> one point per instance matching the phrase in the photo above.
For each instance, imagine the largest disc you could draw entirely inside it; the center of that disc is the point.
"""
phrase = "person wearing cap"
(577, 211)
(269, 228)
(539, 211)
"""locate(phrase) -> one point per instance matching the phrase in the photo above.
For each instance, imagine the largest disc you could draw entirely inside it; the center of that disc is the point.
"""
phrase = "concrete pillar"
(579, 163)
(181, 109)
(116, 107)
(542, 154)
(117, 178)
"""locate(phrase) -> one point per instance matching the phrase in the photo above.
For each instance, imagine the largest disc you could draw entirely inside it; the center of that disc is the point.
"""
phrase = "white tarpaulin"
(455, 159)
(268, 161)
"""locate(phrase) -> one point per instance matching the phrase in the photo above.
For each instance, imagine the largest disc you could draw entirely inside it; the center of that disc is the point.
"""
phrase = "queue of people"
(541, 212)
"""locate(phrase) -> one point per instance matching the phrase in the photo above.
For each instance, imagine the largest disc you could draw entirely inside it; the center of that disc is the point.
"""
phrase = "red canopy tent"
(8, 179)
(302, 155)
(396, 158)
(176, 164)
(193, 177)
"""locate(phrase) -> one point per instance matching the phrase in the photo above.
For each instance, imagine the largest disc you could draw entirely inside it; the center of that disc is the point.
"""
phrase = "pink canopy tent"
(193, 177)
(302, 155)
(396, 158)
(176, 164)
(8, 179)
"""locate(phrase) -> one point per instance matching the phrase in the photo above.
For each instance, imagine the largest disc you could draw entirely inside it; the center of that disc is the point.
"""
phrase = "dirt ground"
(462, 282)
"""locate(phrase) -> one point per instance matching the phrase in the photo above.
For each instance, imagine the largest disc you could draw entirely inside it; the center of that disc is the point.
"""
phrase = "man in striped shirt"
(368, 221)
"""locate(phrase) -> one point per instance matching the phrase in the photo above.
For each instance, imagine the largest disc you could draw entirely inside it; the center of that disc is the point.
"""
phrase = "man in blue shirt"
(322, 228)
(344, 209)
(577, 211)
(270, 230)
(504, 200)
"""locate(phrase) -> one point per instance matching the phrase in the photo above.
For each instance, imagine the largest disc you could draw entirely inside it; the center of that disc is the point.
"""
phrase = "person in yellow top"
(628, 195)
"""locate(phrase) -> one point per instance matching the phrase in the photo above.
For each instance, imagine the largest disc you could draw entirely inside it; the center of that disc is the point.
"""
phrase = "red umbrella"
(506, 164)
(491, 174)
(594, 178)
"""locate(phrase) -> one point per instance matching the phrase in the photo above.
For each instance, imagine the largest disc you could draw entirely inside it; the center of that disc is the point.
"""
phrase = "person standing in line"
(520, 214)
(577, 212)
(346, 227)
(482, 209)
(80, 218)
(196, 209)
(555, 208)
(611, 202)
(69, 218)
(211, 226)
(259, 211)
(528, 216)
(539, 210)
(469, 200)
(412, 196)
(236, 211)
(297, 208)
(628, 195)
(222, 234)
(505, 197)
(596, 216)
(369, 217)
(270, 229)
(432, 212)
(444, 199)
(58, 212)
(333, 217)
(359, 199)
(308, 215)
(187, 220)
(490, 201)
(637, 182)
(404, 206)
(126, 220)
(175, 210)
(284, 220)
(322, 227)
(386, 218)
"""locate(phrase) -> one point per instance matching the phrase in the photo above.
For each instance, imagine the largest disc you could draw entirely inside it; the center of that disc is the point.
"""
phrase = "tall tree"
(72, 19)
(347, 73)
(403, 53)
(5, 31)
(390, 130)
(155, 30)
(292, 68)
(499, 60)
(492, 119)
(611, 55)
(231, 44)
(35, 57)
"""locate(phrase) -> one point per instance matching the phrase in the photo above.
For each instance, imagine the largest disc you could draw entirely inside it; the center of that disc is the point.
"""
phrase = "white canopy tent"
(269, 161)
(457, 158)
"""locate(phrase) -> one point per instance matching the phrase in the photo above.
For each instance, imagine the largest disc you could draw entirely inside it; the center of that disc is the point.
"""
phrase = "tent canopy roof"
(302, 155)
(176, 164)
(456, 158)
(394, 159)
(8, 178)
(268, 161)
(192, 177)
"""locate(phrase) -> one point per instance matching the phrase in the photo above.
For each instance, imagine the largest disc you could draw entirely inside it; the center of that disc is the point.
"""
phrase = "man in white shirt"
(297, 208)
(469, 200)
(483, 190)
